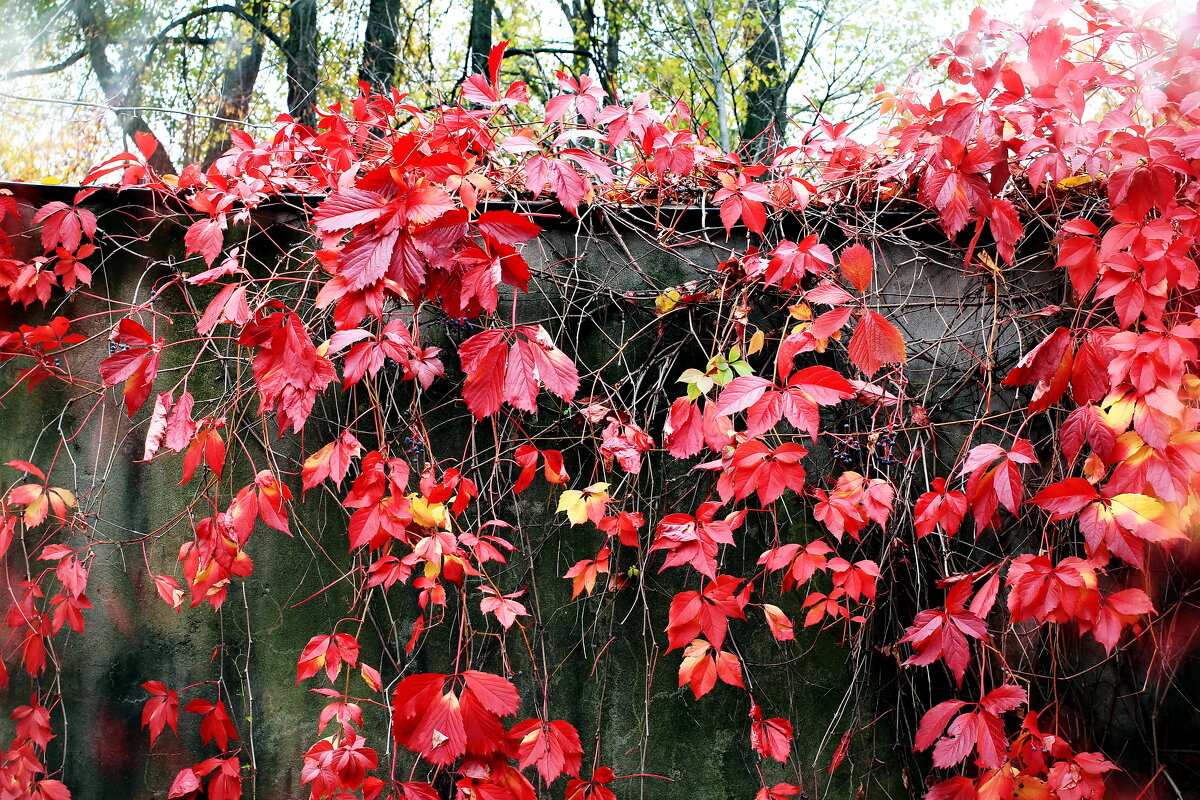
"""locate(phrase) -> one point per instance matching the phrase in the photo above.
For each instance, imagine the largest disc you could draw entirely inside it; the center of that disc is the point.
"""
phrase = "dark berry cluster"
(884, 447)
(414, 447)
(846, 446)
(117, 347)
(453, 324)
(881, 447)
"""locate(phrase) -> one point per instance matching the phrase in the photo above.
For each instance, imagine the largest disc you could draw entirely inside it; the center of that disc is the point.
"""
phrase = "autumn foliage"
(1056, 512)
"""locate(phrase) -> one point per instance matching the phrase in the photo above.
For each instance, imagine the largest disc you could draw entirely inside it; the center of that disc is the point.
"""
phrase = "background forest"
(188, 70)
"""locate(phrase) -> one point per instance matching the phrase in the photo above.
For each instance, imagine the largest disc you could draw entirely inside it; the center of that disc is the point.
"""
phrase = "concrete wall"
(612, 676)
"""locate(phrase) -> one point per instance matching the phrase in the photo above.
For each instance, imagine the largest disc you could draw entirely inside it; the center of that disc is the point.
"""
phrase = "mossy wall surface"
(612, 675)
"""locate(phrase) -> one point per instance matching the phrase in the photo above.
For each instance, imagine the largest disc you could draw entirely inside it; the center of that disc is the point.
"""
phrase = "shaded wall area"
(608, 668)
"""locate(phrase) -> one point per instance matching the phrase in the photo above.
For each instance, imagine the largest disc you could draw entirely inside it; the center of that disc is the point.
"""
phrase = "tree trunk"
(379, 55)
(614, 18)
(716, 65)
(584, 29)
(766, 101)
(479, 38)
(94, 28)
(302, 61)
(237, 87)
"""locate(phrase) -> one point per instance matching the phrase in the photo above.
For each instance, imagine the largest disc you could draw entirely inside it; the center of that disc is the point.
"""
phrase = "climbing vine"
(963, 533)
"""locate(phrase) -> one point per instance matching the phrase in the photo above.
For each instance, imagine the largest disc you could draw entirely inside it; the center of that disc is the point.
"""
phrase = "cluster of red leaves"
(401, 230)
(445, 718)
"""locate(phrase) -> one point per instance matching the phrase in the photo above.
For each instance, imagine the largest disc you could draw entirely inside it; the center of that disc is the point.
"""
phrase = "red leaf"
(497, 372)
(707, 612)
(33, 723)
(288, 370)
(740, 394)
(799, 563)
(216, 726)
(64, 225)
(161, 710)
(1055, 592)
(843, 749)
(595, 789)
(695, 540)
(1006, 227)
(51, 790)
(483, 357)
(186, 783)
(505, 608)
(495, 693)
(934, 722)
(347, 209)
(683, 435)
(624, 442)
(936, 634)
(1117, 612)
(1089, 424)
(939, 507)
(442, 725)
(206, 237)
(755, 467)
(136, 365)
(1000, 485)
(1066, 498)
(791, 261)
(553, 747)
(1041, 362)
(780, 791)
(771, 738)
(507, 226)
(876, 342)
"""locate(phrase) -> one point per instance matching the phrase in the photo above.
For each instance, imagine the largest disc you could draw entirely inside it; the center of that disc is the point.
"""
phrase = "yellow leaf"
(989, 263)
(1074, 181)
(756, 343)
(580, 505)
(1147, 517)
(426, 514)
(666, 301)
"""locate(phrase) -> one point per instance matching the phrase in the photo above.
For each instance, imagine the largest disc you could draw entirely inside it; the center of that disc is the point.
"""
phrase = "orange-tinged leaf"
(782, 627)
(857, 266)
(327, 653)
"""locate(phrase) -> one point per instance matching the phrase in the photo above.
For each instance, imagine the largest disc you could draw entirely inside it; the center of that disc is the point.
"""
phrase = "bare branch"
(78, 55)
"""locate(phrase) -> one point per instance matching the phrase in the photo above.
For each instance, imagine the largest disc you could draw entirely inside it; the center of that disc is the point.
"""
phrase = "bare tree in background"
(120, 91)
(748, 68)
(303, 61)
(237, 84)
(124, 45)
(381, 43)
(479, 37)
